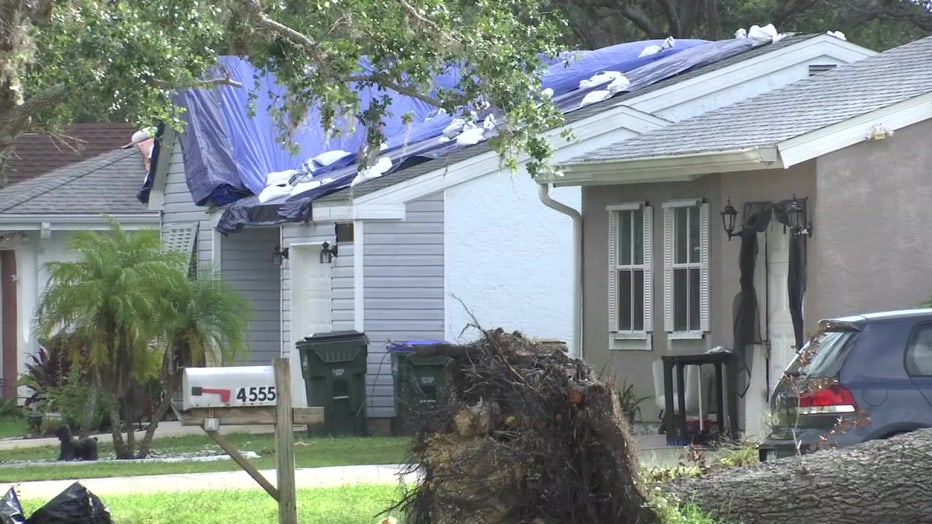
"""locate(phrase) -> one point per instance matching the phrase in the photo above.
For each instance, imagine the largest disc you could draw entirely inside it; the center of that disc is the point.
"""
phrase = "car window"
(919, 351)
(823, 355)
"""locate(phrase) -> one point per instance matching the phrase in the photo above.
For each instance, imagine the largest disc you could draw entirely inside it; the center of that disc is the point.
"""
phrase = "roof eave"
(77, 221)
(672, 168)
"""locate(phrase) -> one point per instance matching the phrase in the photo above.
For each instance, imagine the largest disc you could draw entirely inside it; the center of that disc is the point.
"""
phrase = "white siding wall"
(403, 278)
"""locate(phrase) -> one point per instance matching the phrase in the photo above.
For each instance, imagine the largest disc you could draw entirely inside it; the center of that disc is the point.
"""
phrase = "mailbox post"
(247, 395)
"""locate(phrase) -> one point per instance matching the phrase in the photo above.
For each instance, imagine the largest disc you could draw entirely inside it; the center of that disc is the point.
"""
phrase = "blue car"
(859, 378)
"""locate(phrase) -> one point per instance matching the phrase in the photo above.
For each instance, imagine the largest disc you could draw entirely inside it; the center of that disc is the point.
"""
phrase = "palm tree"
(203, 322)
(110, 298)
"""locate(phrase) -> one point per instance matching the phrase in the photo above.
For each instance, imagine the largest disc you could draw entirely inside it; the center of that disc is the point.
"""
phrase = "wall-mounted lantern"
(729, 216)
(796, 218)
(327, 253)
(279, 255)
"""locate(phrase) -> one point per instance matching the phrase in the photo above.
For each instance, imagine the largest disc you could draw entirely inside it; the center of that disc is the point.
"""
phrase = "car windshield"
(822, 355)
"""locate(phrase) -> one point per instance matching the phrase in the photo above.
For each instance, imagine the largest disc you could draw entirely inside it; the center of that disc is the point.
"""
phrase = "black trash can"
(418, 381)
(334, 368)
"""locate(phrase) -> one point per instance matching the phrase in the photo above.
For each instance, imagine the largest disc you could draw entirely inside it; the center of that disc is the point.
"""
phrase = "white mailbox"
(224, 387)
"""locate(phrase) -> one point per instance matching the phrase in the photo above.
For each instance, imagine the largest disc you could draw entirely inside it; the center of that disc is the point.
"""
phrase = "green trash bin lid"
(336, 336)
(405, 346)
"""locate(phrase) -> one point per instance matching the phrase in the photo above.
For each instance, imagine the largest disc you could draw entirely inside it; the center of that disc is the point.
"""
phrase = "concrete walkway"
(304, 478)
(652, 451)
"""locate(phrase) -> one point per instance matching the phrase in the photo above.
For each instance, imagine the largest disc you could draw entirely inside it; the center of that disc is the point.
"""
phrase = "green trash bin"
(334, 368)
(419, 383)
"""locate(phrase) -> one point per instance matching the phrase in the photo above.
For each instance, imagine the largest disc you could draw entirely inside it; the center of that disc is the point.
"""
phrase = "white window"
(686, 268)
(629, 276)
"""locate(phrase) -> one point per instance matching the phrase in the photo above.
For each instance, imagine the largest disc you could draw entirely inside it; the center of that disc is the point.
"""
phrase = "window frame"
(910, 355)
(630, 339)
(669, 239)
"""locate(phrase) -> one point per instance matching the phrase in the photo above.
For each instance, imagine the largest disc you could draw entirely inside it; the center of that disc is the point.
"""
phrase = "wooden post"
(284, 444)
(243, 463)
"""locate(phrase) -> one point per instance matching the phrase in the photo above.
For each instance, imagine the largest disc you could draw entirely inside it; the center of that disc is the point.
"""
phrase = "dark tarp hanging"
(746, 306)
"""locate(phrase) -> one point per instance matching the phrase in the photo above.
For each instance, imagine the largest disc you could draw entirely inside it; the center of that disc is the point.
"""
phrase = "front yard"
(169, 455)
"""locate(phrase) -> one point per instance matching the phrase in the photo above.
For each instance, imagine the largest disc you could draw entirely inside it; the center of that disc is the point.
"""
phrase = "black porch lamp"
(729, 216)
(279, 255)
(796, 218)
(327, 253)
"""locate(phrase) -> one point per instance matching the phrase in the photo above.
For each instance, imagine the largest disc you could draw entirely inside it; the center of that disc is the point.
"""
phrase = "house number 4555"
(256, 394)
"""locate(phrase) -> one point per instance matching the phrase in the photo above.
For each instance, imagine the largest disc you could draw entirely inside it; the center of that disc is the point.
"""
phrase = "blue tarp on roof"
(229, 152)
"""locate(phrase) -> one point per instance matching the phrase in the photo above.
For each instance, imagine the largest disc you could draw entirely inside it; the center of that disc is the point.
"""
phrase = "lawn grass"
(342, 505)
(310, 452)
(13, 427)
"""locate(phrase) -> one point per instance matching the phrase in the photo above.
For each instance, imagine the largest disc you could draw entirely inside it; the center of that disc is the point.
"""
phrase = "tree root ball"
(524, 433)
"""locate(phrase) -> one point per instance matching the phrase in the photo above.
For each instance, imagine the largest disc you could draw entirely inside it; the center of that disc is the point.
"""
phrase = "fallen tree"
(878, 481)
(525, 434)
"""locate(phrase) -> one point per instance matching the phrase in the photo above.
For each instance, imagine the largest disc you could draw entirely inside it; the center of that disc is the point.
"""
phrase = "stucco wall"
(634, 366)
(872, 224)
(509, 259)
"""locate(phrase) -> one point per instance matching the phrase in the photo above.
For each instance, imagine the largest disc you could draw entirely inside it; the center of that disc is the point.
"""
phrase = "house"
(38, 216)
(829, 179)
(427, 249)
(419, 252)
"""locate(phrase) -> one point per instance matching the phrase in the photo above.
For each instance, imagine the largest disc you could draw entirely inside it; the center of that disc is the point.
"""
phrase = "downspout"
(544, 193)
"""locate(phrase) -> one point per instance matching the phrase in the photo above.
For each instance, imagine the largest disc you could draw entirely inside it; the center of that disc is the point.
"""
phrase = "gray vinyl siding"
(341, 299)
(179, 207)
(403, 279)
(247, 266)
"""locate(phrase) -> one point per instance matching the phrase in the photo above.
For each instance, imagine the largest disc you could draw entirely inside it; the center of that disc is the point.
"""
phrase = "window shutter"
(704, 267)
(648, 270)
(612, 271)
(182, 237)
(668, 269)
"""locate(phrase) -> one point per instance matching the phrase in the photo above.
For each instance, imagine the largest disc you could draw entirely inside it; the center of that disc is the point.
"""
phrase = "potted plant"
(630, 402)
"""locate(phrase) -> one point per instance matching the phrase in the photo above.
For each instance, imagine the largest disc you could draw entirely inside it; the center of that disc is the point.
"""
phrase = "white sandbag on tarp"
(602, 77)
(274, 192)
(280, 177)
(471, 135)
(594, 97)
(382, 165)
(301, 187)
(328, 157)
(768, 32)
(837, 34)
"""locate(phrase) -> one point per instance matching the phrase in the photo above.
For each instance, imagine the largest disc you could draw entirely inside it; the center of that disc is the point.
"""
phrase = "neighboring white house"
(37, 219)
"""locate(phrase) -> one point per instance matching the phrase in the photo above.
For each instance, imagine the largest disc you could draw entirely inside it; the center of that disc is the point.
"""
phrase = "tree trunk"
(878, 481)
(116, 422)
(90, 405)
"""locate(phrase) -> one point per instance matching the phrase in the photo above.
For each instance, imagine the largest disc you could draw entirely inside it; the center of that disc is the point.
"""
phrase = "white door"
(310, 304)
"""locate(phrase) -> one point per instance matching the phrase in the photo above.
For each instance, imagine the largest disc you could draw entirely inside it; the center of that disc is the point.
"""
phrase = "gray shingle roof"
(799, 108)
(104, 184)
(575, 116)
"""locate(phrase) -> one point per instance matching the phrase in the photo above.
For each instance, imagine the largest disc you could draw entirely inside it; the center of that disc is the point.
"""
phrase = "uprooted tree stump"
(525, 434)
(878, 481)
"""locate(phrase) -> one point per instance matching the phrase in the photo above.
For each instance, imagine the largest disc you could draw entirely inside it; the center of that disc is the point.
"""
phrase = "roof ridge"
(68, 176)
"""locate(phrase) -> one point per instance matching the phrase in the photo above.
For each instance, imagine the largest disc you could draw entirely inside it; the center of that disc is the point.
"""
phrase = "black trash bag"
(75, 505)
(10, 510)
